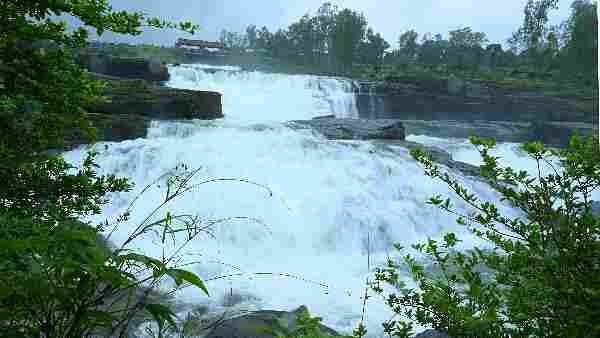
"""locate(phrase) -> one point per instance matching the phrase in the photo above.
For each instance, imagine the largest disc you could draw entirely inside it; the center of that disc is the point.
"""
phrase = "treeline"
(333, 39)
(566, 51)
(336, 40)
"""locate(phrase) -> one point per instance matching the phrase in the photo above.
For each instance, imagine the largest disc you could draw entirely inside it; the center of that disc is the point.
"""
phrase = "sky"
(497, 18)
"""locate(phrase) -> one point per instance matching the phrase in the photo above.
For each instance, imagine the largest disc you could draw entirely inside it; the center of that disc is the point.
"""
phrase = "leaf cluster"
(541, 277)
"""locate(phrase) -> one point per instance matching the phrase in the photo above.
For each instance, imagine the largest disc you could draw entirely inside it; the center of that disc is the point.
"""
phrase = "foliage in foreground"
(58, 275)
(542, 276)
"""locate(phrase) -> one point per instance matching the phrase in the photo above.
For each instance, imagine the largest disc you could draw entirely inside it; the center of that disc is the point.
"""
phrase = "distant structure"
(201, 47)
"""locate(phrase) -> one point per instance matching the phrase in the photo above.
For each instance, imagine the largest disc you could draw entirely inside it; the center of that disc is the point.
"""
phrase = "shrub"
(542, 276)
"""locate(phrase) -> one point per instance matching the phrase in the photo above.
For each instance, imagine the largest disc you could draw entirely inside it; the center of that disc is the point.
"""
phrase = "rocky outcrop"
(138, 97)
(131, 68)
(132, 104)
(262, 324)
(354, 129)
(457, 99)
(437, 155)
(382, 132)
(555, 134)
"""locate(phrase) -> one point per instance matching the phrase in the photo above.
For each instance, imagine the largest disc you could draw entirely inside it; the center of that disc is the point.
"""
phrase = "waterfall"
(335, 205)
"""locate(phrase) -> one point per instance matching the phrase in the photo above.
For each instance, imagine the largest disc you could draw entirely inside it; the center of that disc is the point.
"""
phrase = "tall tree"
(372, 49)
(466, 47)
(251, 36)
(348, 32)
(530, 37)
(582, 45)
(408, 46)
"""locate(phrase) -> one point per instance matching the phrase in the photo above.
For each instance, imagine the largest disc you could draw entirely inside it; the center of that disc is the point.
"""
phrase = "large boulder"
(354, 129)
(131, 68)
(262, 324)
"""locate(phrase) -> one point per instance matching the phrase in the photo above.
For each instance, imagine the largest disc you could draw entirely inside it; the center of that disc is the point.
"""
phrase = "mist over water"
(334, 204)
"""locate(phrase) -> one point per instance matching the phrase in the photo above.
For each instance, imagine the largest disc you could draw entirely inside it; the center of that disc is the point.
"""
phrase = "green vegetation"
(541, 277)
(332, 41)
(556, 59)
(58, 275)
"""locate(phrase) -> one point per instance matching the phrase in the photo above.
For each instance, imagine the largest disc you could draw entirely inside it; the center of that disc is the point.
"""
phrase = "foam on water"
(509, 154)
(331, 200)
(262, 97)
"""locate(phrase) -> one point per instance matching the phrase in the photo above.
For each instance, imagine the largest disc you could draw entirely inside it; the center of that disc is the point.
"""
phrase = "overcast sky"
(497, 18)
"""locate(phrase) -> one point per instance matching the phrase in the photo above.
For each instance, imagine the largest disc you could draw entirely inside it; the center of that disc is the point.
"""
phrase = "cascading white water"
(262, 97)
(334, 204)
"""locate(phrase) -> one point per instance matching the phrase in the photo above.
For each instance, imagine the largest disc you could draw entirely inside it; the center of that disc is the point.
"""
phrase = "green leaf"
(181, 276)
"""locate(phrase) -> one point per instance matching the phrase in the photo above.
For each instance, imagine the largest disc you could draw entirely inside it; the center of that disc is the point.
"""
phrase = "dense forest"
(341, 41)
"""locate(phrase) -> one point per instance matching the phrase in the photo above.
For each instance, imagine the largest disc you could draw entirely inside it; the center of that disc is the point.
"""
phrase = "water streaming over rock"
(333, 203)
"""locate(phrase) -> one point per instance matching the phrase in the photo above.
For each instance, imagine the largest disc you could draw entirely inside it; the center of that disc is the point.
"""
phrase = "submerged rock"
(353, 129)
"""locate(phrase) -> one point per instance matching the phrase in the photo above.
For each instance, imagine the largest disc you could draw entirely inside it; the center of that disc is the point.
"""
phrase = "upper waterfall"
(265, 97)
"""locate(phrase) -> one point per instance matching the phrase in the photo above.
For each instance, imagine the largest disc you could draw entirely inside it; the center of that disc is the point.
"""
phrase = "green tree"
(408, 45)
(57, 274)
(303, 36)
(466, 48)
(582, 42)
(541, 275)
(348, 32)
(251, 36)
(326, 15)
(372, 49)
(530, 37)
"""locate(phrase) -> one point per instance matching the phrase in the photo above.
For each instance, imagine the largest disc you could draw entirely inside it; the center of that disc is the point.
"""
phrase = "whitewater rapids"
(334, 204)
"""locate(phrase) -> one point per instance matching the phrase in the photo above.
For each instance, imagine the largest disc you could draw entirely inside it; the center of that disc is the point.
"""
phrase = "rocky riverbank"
(554, 134)
(468, 100)
(131, 104)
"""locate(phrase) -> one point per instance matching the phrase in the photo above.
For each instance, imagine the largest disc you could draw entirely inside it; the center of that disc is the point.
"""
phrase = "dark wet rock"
(556, 134)
(466, 100)
(131, 68)
(437, 155)
(138, 97)
(324, 117)
(132, 104)
(261, 324)
(432, 334)
(114, 128)
(354, 129)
